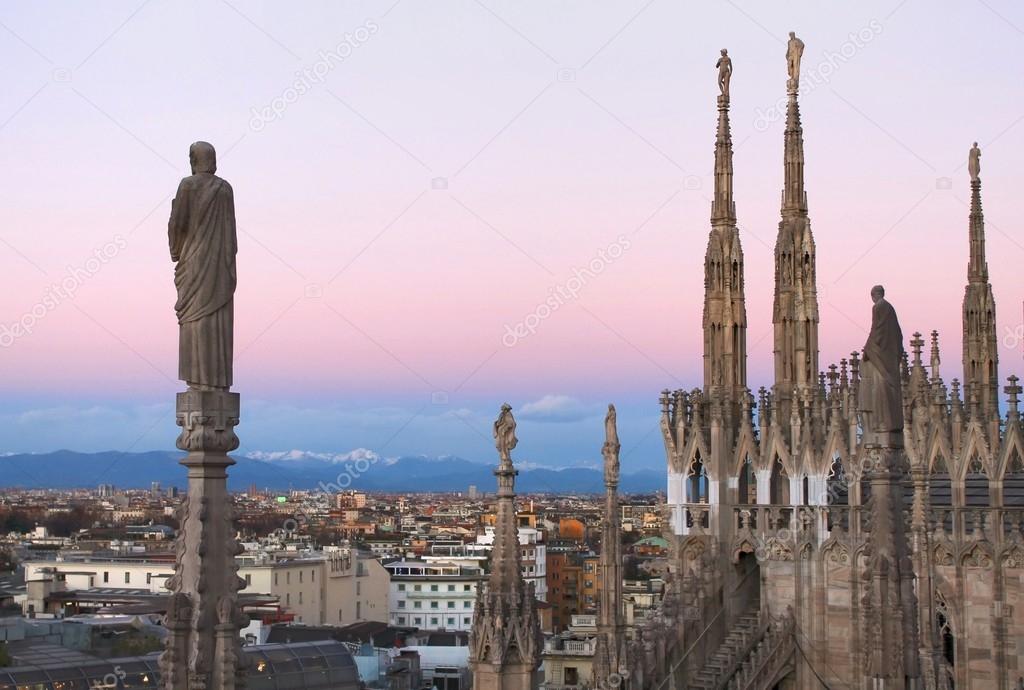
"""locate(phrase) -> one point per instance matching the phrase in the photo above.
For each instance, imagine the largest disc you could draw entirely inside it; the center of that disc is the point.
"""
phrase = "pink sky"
(557, 128)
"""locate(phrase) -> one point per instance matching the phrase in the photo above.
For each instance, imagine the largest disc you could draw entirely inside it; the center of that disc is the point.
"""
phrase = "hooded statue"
(203, 242)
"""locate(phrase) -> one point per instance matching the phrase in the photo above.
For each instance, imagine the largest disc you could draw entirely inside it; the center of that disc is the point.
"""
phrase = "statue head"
(877, 293)
(724, 52)
(202, 157)
(792, 34)
(975, 144)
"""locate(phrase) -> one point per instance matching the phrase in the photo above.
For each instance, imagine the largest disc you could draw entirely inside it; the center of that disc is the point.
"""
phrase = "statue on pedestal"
(881, 395)
(974, 162)
(203, 243)
(505, 433)
(724, 66)
(794, 52)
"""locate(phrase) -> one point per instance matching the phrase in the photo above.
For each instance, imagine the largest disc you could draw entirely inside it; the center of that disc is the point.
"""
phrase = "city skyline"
(382, 275)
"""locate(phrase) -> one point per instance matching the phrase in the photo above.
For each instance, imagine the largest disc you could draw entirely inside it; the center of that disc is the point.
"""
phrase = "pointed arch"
(837, 481)
(778, 485)
(696, 479)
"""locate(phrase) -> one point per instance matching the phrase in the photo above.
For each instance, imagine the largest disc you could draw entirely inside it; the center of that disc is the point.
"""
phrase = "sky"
(414, 180)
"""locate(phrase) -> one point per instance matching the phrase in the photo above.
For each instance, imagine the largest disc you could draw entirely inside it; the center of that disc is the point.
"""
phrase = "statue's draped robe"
(881, 393)
(203, 241)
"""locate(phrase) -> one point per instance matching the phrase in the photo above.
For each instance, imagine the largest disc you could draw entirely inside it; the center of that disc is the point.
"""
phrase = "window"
(401, 603)
(451, 588)
(106, 576)
(300, 598)
(451, 621)
(312, 576)
(417, 621)
(416, 588)
(287, 578)
(288, 599)
(401, 620)
(359, 610)
(434, 605)
(248, 579)
(467, 588)
(433, 621)
(451, 604)
(300, 577)
(433, 588)
(275, 579)
(467, 620)
(359, 587)
(149, 578)
(401, 587)
(467, 604)
(340, 614)
(417, 604)
(127, 578)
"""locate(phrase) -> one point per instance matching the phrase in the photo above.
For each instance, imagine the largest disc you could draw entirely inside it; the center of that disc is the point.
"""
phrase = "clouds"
(558, 409)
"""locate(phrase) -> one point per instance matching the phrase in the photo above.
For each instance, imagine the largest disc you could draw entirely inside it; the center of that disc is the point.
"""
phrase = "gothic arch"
(977, 555)
(696, 482)
(778, 484)
(975, 454)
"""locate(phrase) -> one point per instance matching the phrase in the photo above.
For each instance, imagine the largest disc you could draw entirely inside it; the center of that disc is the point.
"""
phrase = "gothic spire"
(725, 312)
(506, 640)
(608, 657)
(981, 357)
(795, 312)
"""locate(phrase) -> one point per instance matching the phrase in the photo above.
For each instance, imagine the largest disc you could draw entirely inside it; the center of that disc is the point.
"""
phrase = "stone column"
(203, 650)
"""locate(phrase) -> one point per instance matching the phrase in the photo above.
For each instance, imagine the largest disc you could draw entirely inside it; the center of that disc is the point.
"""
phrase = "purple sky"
(413, 179)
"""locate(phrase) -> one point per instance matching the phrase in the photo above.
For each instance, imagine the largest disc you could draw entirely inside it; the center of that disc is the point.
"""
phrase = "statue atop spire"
(725, 312)
(724, 66)
(505, 641)
(974, 163)
(794, 53)
(796, 292)
(981, 356)
(611, 447)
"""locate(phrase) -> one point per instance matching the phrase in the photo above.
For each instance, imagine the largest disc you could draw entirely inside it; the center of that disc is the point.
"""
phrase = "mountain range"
(359, 469)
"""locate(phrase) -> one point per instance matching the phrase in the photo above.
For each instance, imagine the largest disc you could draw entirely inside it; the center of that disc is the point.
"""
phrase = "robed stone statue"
(794, 52)
(974, 162)
(203, 245)
(881, 396)
(505, 433)
(611, 447)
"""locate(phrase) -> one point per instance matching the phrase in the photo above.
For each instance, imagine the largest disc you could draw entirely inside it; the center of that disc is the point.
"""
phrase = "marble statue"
(974, 162)
(611, 447)
(724, 66)
(794, 52)
(881, 393)
(505, 433)
(203, 244)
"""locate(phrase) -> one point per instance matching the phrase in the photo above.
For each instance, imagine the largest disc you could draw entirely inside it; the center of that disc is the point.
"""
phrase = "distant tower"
(981, 357)
(795, 312)
(610, 655)
(725, 311)
(506, 641)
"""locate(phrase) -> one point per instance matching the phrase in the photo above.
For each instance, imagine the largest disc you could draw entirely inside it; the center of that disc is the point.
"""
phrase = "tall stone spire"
(725, 311)
(609, 657)
(981, 356)
(506, 640)
(795, 313)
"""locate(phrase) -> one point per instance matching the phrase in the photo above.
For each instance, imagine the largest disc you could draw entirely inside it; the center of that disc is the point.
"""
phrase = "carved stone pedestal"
(890, 604)
(203, 651)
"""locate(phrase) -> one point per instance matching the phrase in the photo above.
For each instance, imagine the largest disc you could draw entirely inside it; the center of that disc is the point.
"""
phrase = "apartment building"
(437, 595)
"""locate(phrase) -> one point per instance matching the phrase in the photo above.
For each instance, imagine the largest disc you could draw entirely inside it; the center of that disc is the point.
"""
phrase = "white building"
(319, 588)
(436, 595)
(533, 552)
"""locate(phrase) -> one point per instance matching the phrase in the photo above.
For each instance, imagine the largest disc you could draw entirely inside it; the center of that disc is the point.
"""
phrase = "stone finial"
(935, 356)
(1013, 390)
(917, 345)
